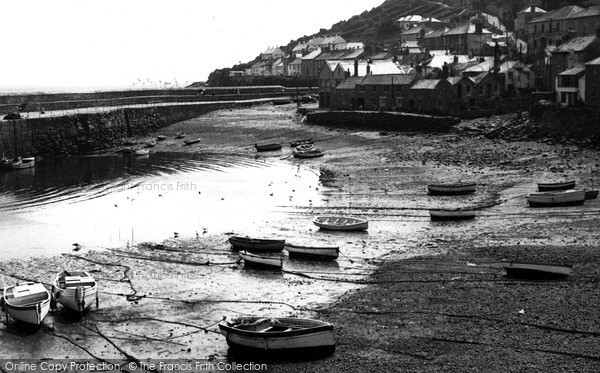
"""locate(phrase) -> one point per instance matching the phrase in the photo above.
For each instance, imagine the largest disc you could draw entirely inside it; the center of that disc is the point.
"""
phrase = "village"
(463, 64)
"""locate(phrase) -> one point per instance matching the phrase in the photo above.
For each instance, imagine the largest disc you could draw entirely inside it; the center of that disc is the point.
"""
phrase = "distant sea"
(19, 90)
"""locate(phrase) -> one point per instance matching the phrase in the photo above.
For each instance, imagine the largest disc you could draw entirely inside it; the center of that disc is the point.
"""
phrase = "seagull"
(175, 234)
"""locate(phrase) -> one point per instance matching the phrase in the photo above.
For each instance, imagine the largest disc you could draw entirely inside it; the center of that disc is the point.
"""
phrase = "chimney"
(496, 58)
(368, 69)
(445, 71)
(478, 28)
(455, 59)
(355, 67)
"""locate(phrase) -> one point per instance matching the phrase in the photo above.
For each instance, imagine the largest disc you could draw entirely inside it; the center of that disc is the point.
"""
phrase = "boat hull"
(33, 314)
(308, 154)
(591, 194)
(141, 152)
(191, 142)
(537, 270)
(68, 298)
(452, 214)
(261, 261)
(256, 245)
(550, 199)
(297, 143)
(30, 308)
(334, 223)
(267, 147)
(548, 187)
(313, 252)
(452, 189)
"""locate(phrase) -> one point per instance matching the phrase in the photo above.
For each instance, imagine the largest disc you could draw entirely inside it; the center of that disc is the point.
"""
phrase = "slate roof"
(349, 83)
(426, 84)
(594, 62)
(410, 18)
(312, 55)
(467, 28)
(577, 44)
(575, 70)
(593, 11)
(561, 13)
(437, 33)
(532, 9)
(388, 79)
(413, 30)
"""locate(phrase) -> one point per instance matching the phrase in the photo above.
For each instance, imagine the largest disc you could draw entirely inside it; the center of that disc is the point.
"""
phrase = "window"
(563, 97)
(399, 102)
(481, 90)
(386, 88)
(373, 88)
(468, 90)
(496, 89)
(361, 88)
(382, 102)
(534, 29)
(542, 27)
(557, 26)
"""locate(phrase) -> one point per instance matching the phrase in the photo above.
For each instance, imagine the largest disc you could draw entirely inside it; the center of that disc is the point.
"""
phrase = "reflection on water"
(113, 200)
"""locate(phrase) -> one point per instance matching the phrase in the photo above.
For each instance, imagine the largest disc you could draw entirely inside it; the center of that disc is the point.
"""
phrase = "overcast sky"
(103, 44)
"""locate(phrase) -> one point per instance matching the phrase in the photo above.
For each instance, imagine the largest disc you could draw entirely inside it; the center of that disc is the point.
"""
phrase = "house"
(585, 22)
(573, 52)
(277, 68)
(592, 83)
(295, 67)
(408, 22)
(300, 50)
(431, 96)
(525, 16)
(271, 53)
(438, 61)
(491, 20)
(332, 43)
(476, 90)
(308, 64)
(434, 39)
(467, 38)
(410, 47)
(313, 44)
(414, 33)
(237, 73)
(345, 96)
(383, 92)
(570, 86)
(517, 77)
(355, 45)
(549, 28)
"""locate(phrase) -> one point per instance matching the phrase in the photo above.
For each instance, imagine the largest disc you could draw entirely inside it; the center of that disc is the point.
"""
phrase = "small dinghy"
(23, 163)
(180, 135)
(261, 260)
(75, 290)
(256, 245)
(452, 214)
(161, 137)
(130, 142)
(150, 143)
(297, 143)
(141, 151)
(28, 302)
(340, 223)
(452, 188)
(570, 197)
(312, 153)
(537, 271)
(194, 141)
(267, 147)
(563, 185)
(312, 252)
(282, 335)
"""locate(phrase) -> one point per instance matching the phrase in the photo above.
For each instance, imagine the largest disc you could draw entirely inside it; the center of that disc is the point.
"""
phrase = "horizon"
(82, 46)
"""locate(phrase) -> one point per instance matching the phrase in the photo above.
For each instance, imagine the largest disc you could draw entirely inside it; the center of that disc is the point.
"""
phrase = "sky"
(82, 45)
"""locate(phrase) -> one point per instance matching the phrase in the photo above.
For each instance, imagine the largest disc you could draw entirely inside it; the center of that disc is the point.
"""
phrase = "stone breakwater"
(83, 133)
(390, 121)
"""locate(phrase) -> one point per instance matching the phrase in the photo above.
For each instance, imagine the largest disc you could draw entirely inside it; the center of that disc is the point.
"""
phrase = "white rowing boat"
(340, 223)
(452, 214)
(313, 252)
(537, 270)
(264, 261)
(75, 290)
(141, 151)
(570, 197)
(23, 163)
(452, 188)
(28, 302)
(282, 335)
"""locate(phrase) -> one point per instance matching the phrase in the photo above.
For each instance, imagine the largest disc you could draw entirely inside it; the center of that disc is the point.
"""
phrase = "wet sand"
(413, 295)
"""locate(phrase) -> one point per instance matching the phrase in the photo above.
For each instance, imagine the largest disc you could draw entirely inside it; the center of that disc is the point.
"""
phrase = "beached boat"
(257, 245)
(23, 163)
(571, 197)
(304, 147)
(141, 151)
(452, 188)
(537, 270)
(161, 137)
(150, 143)
(130, 142)
(28, 302)
(563, 185)
(193, 141)
(261, 260)
(282, 335)
(591, 194)
(267, 147)
(312, 252)
(75, 290)
(297, 143)
(340, 223)
(452, 214)
(313, 153)
(180, 135)
(126, 151)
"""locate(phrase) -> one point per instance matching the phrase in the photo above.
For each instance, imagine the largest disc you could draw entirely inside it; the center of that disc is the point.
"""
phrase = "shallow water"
(116, 200)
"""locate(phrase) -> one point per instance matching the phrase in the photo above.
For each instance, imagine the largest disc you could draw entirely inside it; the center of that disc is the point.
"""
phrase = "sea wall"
(82, 133)
(382, 120)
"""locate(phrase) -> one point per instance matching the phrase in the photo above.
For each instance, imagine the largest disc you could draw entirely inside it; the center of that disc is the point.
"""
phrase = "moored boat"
(312, 153)
(563, 185)
(5, 163)
(570, 197)
(452, 188)
(141, 151)
(264, 245)
(312, 252)
(150, 143)
(261, 260)
(533, 270)
(295, 144)
(254, 334)
(452, 214)
(23, 163)
(267, 147)
(75, 290)
(341, 223)
(130, 142)
(161, 137)
(180, 135)
(304, 147)
(192, 141)
(28, 302)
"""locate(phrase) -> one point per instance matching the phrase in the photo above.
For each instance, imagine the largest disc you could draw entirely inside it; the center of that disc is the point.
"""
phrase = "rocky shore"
(437, 299)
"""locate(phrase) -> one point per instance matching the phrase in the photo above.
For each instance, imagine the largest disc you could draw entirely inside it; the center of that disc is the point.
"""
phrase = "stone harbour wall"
(83, 133)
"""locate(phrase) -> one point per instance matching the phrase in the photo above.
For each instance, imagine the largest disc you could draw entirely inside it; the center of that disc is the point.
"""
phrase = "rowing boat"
(452, 188)
(261, 261)
(23, 163)
(141, 151)
(75, 290)
(180, 135)
(192, 141)
(282, 335)
(256, 245)
(312, 252)
(570, 197)
(452, 214)
(28, 302)
(150, 143)
(340, 223)
(537, 270)
(267, 147)
(295, 144)
(161, 137)
(563, 185)
(313, 153)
